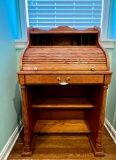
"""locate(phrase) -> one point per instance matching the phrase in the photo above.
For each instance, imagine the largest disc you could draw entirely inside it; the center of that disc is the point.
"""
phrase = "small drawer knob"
(92, 68)
(35, 68)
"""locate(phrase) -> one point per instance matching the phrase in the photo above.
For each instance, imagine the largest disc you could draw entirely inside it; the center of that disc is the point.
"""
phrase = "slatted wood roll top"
(64, 49)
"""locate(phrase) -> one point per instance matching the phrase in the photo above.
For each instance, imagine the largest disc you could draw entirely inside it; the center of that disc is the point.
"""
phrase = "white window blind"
(80, 14)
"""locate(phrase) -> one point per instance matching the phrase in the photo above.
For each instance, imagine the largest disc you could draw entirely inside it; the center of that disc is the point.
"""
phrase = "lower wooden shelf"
(62, 126)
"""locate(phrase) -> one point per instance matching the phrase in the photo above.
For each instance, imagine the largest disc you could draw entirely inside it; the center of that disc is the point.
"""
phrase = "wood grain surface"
(64, 58)
(68, 64)
(63, 147)
(62, 103)
(62, 126)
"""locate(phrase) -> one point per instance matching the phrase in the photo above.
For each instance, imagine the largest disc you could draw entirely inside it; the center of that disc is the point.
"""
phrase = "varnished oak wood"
(21, 79)
(27, 132)
(66, 58)
(63, 147)
(79, 107)
(62, 103)
(74, 79)
(78, 45)
(62, 126)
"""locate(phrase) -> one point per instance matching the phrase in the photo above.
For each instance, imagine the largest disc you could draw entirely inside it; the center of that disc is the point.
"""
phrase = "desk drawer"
(64, 79)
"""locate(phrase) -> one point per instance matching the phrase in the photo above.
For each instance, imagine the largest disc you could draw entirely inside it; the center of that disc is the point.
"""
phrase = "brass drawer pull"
(63, 83)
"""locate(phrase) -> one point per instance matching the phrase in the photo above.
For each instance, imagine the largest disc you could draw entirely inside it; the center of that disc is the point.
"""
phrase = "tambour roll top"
(64, 49)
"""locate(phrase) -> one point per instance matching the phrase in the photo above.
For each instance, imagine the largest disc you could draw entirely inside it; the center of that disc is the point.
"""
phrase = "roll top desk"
(64, 76)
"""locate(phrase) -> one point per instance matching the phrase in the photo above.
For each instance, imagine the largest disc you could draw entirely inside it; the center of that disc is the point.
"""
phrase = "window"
(47, 14)
(80, 14)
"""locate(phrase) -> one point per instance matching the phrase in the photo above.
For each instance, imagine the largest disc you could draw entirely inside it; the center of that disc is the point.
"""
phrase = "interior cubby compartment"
(63, 39)
(38, 39)
(49, 39)
(77, 38)
(42, 40)
(34, 39)
(92, 39)
(84, 39)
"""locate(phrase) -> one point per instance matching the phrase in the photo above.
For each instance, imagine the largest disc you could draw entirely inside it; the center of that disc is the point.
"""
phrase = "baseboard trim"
(10, 143)
(110, 130)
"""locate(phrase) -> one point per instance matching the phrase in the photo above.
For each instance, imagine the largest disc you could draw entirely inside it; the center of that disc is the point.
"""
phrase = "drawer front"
(64, 79)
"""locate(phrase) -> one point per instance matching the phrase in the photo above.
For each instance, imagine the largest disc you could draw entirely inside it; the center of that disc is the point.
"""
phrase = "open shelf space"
(62, 103)
(62, 126)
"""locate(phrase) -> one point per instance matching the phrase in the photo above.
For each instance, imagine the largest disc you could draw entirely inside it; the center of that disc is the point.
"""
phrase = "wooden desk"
(64, 76)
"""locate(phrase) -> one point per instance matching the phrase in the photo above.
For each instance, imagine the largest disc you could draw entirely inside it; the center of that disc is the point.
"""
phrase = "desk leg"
(96, 140)
(27, 137)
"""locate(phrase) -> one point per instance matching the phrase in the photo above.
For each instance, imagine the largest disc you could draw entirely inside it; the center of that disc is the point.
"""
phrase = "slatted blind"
(80, 14)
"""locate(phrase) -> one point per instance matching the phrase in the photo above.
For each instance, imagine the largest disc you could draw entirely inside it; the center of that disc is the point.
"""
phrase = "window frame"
(104, 19)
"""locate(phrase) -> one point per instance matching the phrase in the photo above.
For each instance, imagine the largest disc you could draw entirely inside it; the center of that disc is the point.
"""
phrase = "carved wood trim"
(63, 28)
